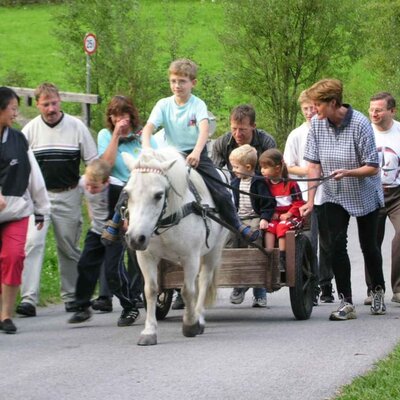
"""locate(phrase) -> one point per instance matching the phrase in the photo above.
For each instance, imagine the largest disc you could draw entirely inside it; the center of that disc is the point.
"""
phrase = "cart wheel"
(302, 294)
(164, 300)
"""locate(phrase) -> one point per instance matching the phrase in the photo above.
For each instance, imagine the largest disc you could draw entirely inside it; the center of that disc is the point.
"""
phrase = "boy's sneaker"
(326, 294)
(261, 302)
(378, 306)
(344, 312)
(80, 316)
(237, 295)
(128, 317)
(368, 299)
(178, 303)
(247, 233)
(102, 303)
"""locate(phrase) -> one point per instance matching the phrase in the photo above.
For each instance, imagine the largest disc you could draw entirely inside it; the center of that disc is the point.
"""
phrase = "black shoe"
(80, 316)
(316, 296)
(27, 309)
(70, 306)
(102, 303)
(8, 326)
(139, 302)
(128, 317)
(326, 294)
(178, 303)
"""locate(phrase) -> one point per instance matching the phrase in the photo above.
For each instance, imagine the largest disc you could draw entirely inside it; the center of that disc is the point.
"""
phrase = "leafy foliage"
(275, 49)
(384, 51)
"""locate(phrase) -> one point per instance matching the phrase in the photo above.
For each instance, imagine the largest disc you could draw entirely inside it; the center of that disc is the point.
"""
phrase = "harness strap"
(211, 214)
(204, 208)
(259, 196)
(172, 219)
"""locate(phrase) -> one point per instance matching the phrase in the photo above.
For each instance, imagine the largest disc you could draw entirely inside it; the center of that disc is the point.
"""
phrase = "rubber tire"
(302, 294)
(164, 301)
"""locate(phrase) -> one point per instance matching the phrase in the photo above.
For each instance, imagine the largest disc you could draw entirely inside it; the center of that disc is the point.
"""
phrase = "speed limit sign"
(90, 43)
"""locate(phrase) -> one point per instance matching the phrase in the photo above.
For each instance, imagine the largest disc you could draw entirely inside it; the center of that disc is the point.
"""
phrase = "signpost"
(90, 47)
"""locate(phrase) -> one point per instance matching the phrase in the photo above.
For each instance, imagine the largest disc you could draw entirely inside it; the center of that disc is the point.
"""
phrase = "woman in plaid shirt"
(341, 145)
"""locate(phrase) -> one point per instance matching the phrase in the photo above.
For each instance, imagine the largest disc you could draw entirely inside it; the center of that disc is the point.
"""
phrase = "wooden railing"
(85, 99)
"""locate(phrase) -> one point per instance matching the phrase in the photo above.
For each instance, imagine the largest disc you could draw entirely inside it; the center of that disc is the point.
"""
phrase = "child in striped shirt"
(250, 208)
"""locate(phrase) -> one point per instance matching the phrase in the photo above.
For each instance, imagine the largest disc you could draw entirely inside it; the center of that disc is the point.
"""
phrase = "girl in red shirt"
(288, 201)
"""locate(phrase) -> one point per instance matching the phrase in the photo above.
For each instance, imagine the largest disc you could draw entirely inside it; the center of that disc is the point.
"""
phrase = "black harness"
(194, 207)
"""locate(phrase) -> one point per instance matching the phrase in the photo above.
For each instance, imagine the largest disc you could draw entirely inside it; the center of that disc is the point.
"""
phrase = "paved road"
(245, 353)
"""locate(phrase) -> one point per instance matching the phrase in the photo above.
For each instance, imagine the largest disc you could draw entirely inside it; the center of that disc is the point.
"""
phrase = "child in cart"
(288, 201)
(250, 208)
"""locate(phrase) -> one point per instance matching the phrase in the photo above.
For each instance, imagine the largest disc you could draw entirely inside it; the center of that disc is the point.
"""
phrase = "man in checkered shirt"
(341, 144)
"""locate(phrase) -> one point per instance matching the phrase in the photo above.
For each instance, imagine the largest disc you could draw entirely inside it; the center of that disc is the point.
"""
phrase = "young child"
(101, 192)
(185, 120)
(243, 160)
(288, 201)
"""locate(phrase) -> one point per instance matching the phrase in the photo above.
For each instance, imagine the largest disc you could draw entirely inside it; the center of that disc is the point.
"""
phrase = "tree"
(384, 51)
(125, 62)
(277, 48)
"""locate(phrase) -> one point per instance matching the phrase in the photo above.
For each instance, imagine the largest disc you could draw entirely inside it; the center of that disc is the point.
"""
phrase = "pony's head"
(156, 187)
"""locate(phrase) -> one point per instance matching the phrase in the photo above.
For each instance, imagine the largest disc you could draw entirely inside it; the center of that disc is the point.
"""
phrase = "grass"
(28, 47)
(380, 383)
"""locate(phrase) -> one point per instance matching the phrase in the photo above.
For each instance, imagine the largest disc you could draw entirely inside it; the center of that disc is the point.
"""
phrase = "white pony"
(158, 188)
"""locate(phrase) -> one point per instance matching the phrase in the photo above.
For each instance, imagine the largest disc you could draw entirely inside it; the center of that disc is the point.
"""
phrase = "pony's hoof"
(147, 340)
(201, 329)
(191, 330)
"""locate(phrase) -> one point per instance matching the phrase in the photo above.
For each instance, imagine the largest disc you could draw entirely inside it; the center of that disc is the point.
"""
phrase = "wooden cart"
(249, 267)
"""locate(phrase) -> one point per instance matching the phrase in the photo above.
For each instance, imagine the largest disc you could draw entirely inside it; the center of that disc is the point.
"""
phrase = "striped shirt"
(349, 146)
(245, 208)
(60, 149)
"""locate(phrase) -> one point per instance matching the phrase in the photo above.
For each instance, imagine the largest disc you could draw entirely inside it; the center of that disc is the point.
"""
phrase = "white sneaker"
(261, 302)
(378, 301)
(368, 299)
(396, 298)
(344, 312)
(237, 295)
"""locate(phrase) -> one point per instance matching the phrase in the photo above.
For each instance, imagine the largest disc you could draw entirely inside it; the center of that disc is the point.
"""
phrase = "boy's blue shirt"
(263, 206)
(181, 123)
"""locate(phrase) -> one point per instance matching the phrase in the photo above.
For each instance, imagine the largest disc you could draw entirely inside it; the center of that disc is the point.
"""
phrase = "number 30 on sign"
(90, 43)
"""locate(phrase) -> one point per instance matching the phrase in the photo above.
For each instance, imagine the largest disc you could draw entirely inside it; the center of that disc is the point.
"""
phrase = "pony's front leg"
(148, 266)
(191, 326)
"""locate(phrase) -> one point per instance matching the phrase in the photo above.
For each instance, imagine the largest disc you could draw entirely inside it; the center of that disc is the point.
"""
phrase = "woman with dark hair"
(121, 135)
(23, 192)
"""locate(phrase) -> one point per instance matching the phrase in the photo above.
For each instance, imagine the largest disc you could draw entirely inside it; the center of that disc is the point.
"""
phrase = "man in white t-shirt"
(297, 168)
(382, 110)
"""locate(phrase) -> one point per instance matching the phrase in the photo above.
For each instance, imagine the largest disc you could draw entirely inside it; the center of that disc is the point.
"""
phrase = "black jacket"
(224, 145)
(263, 206)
